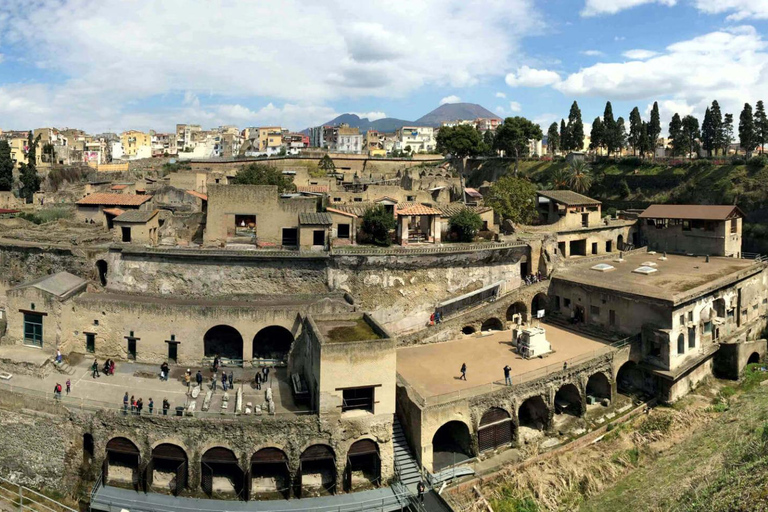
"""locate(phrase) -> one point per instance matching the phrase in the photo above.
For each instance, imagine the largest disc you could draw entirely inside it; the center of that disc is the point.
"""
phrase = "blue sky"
(116, 65)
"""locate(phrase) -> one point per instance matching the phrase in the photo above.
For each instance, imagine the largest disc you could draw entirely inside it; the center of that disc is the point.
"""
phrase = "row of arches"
(273, 342)
(516, 312)
(267, 474)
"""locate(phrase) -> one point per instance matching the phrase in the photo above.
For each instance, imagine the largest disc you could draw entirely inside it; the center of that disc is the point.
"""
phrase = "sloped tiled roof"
(449, 210)
(119, 187)
(136, 216)
(340, 212)
(418, 209)
(315, 218)
(473, 193)
(357, 209)
(568, 197)
(60, 284)
(691, 212)
(197, 194)
(313, 189)
(114, 211)
(106, 199)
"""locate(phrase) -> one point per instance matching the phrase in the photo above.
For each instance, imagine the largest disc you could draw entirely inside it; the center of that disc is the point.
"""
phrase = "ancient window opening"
(126, 234)
(681, 344)
(342, 231)
(90, 342)
(358, 399)
(290, 237)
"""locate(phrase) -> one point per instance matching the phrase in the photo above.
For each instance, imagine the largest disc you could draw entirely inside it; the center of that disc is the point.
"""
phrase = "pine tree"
(553, 139)
(610, 133)
(675, 128)
(654, 126)
(635, 129)
(596, 135)
(761, 126)
(6, 167)
(565, 141)
(707, 133)
(644, 143)
(747, 130)
(727, 133)
(621, 135)
(716, 118)
(575, 128)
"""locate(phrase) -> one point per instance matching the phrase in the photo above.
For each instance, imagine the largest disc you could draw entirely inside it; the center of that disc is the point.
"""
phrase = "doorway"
(290, 237)
(132, 348)
(173, 351)
(126, 234)
(318, 237)
(90, 342)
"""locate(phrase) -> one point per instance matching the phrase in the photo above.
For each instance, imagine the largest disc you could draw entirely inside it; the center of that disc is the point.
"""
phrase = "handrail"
(27, 496)
(405, 251)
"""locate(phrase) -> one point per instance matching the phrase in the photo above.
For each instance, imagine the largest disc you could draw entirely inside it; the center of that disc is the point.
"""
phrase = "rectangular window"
(686, 225)
(690, 316)
(594, 310)
(682, 319)
(290, 237)
(126, 233)
(707, 327)
(734, 225)
(318, 237)
(567, 302)
(342, 231)
(33, 329)
(90, 342)
(358, 399)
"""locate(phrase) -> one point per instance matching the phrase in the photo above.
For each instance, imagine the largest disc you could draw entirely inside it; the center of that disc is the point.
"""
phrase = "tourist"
(69, 386)
(266, 374)
(125, 403)
(188, 380)
(139, 406)
(224, 381)
(106, 366)
(432, 319)
(166, 406)
(214, 381)
(111, 367)
(565, 365)
(151, 405)
(258, 380)
(199, 379)
(57, 391)
(95, 369)
(420, 488)
(216, 363)
(58, 356)
(507, 377)
(231, 379)
(463, 371)
(164, 371)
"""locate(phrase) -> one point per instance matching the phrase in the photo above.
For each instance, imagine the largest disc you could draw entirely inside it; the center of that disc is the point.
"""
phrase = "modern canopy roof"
(568, 197)
(691, 212)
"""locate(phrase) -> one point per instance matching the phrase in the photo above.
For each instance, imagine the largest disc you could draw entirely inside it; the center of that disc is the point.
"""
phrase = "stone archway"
(534, 413)
(317, 471)
(121, 466)
(363, 469)
(468, 329)
(754, 357)
(630, 379)
(273, 342)
(168, 469)
(568, 400)
(517, 310)
(102, 270)
(270, 474)
(495, 429)
(620, 242)
(539, 302)
(598, 386)
(223, 341)
(451, 444)
(492, 324)
(220, 473)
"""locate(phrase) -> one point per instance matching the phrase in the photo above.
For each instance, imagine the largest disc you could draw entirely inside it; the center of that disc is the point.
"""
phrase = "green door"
(33, 329)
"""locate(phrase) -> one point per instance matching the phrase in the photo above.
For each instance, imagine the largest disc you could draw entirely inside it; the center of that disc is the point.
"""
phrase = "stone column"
(436, 228)
(402, 222)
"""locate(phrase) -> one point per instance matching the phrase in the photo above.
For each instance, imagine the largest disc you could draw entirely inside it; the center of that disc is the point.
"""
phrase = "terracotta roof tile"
(106, 199)
(691, 212)
(114, 211)
(341, 212)
(568, 197)
(418, 209)
(197, 194)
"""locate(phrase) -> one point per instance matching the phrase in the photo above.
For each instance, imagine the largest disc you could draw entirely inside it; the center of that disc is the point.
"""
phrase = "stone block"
(195, 391)
(207, 400)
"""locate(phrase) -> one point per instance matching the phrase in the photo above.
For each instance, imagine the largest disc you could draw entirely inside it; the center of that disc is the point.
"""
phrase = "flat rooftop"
(434, 369)
(340, 331)
(675, 279)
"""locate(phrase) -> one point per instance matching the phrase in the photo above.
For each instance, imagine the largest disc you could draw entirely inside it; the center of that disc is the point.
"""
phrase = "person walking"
(199, 379)
(231, 379)
(151, 405)
(111, 367)
(463, 371)
(258, 380)
(125, 403)
(214, 382)
(57, 391)
(166, 406)
(565, 365)
(164, 371)
(95, 369)
(133, 405)
(69, 386)
(432, 319)
(420, 488)
(507, 377)
(188, 380)
(216, 363)
(139, 406)
(58, 356)
(224, 381)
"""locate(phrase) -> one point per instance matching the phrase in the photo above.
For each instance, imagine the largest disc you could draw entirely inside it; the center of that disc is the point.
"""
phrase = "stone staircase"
(404, 460)
(64, 368)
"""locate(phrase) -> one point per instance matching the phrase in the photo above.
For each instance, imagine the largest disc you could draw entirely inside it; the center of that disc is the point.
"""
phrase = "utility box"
(532, 342)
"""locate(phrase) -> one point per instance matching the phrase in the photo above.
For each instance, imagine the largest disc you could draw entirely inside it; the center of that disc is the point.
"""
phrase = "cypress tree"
(553, 139)
(747, 130)
(6, 167)
(635, 129)
(761, 125)
(565, 141)
(654, 126)
(575, 128)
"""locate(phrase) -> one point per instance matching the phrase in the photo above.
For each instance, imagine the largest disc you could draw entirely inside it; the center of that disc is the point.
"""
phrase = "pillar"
(402, 222)
(436, 229)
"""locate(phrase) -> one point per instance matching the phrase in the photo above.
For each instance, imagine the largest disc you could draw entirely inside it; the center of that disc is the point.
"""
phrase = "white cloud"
(515, 106)
(592, 53)
(529, 77)
(639, 54)
(739, 9)
(372, 116)
(450, 99)
(501, 95)
(114, 55)
(599, 7)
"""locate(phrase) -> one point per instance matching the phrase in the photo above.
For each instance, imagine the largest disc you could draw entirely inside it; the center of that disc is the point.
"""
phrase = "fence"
(405, 251)
(23, 499)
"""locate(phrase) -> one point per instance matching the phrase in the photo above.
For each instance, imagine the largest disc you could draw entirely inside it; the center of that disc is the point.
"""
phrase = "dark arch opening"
(681, 344)
(88, 448)
(534, 413)
(468, 329)
(598, 386)
(540, 302)
(221, 473)
(273, 342)
(630, 379)
(495, 429)
(620, 242)
(753, 358)
(363, 469)
(317, 472)
(492, 324)
(101, 268)
(517, 309)
(270, 475)
(168, 470)
(568, 400)
(224, 341)
(121, 466)
(451, 444)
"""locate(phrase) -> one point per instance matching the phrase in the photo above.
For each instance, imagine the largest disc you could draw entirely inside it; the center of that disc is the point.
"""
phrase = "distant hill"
(454, 111)
(447, 112)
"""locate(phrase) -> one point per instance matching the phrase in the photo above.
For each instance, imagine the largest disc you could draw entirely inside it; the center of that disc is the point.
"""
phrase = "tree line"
(29, 180)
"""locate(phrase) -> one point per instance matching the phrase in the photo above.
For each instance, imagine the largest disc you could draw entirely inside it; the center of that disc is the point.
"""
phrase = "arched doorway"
(273, 342)
(270, 475)
(88, 448)
(681, 344)
(630, 379)
(121, 466)
(468, 329)
(363, 469)
(167, 469)
(534, 413)
(224, 341)
(517, 311)
(568, 400)
(317, 472)
(492, 324)
(540, 302)
(220, 473)
(598, 386)
(494, 430)
(451, 444)
(620, 242)
(101, 268)
(754, 357)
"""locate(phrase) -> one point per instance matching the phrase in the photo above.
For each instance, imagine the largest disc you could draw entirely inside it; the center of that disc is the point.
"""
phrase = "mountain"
(387, 124)
(452, 112)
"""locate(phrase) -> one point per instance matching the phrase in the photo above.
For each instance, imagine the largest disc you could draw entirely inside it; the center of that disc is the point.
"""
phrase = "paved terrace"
(142, 381)
(433, 370)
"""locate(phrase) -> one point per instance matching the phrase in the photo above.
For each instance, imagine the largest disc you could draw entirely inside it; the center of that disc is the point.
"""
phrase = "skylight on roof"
(649, 264)
(645, 270)
(603, 267)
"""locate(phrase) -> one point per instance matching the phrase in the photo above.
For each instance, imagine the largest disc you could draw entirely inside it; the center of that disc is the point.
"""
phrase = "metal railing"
(404, 251)
(754, 256)
(23, 499)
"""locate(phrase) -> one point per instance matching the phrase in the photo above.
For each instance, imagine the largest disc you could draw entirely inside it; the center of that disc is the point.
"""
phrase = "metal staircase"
(405, 464)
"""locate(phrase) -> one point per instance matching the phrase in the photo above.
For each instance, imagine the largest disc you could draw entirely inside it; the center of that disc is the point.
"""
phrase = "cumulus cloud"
(529, 77)
(515, 106)
(501, 95)
(372, 116)
(738, 9)
(450, 99)
(600, 7)
(117, 54)
(639, 54)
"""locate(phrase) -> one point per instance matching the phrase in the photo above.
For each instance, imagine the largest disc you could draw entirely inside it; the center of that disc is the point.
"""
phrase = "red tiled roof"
(691, 212)
(197, 194)
(346, 214)
(119, 187)
(105, 199)
(473, 192)
(114, 211)
(315, 189)
(3, 210)
(418, 209)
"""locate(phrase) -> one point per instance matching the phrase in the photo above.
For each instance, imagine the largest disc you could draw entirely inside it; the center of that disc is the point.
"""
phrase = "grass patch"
(47, 215)
(360, 331)
(753, 377)
(656, 423)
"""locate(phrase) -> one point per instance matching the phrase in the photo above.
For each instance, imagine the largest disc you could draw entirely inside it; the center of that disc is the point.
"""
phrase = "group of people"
(435, 318)
(57, 389)
(107, 369)
(137, 406)
(227, 380)
(507, 373)
(261, 376)
(533, 278)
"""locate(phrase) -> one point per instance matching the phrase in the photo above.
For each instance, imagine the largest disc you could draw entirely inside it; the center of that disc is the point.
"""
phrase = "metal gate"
(206, 480)
(495, 430)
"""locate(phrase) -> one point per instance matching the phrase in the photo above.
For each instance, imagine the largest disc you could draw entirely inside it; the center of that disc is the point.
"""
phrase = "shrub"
(47, 215)
(624, 189)
(757, 163)
(466, 224)
(261, 174)
(656, 423)
(377, 223)
(631, 161)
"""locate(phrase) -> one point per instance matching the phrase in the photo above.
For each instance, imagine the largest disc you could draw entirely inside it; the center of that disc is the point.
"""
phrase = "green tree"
(512, 137)
(654, 126)
(30, 180)
(747, 138)
(727, 139)
(610, 130)
(579, 176)
(690, 135)
(263, 174)
(644, 143)
(488, 143)
(708, 133)
(326, 164)
(558, 179)
(761, 125)
(716, 117)
(466, 223)
(624, 189)
(596, 135)
(459, 141)
(553, 139)
(6, 166)
(575, 129)
(565, 141)
(514, 199)
(635, 129)
(675, 128)
(377, 223)
(621, 134)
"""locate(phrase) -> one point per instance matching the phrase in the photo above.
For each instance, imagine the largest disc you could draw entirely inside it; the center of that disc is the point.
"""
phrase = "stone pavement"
(143, 381)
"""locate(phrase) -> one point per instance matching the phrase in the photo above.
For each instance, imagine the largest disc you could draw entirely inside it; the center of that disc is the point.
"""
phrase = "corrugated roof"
(60, 284)
(136, 216)
(197, 194)
(106, 199)
(568, 197)
(114, 211)
(315, 218)
(313, 189)
(418, 209)
(691, 212)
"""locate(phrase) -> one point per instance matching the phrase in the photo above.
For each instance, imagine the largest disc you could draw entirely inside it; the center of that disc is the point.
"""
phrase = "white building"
(420, 139)
(349, 143)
